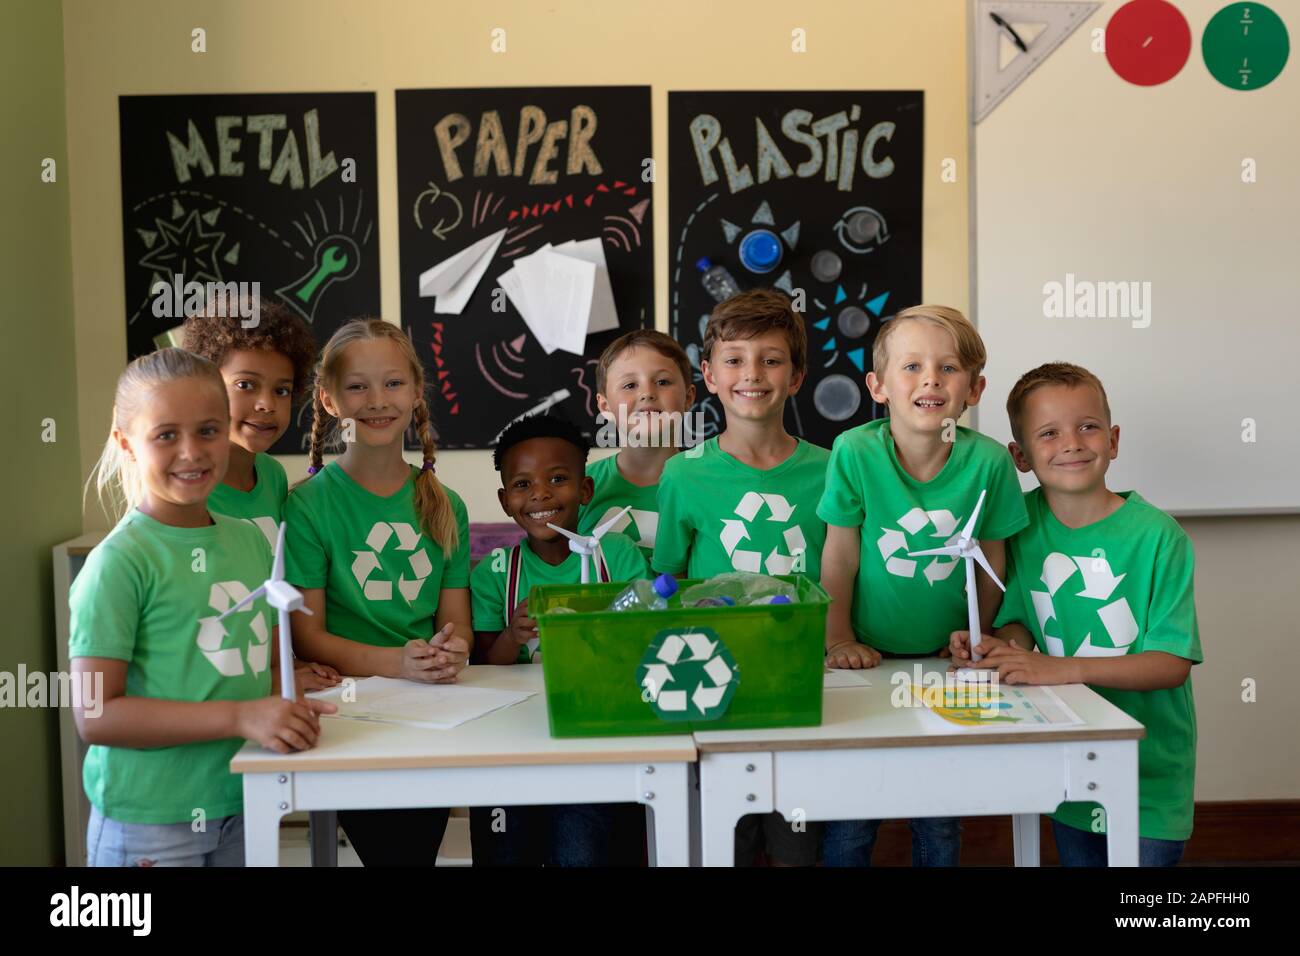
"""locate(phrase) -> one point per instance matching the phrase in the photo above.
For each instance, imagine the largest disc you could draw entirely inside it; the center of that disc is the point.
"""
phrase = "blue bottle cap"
(760, 251)
(779, 599)
(704, 263)
(665, 586)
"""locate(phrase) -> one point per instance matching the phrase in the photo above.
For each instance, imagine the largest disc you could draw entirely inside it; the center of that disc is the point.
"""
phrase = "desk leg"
(731, 786)
(1106, 772)
(1024, 831)
(323, 826)
(1122, 804)
(666, 792)
(265, 802)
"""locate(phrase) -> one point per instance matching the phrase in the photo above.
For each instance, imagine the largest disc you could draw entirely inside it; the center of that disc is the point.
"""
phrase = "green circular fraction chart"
(1245, 46)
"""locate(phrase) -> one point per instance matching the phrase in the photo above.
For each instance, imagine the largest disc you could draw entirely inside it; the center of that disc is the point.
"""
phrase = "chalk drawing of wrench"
(337, 258)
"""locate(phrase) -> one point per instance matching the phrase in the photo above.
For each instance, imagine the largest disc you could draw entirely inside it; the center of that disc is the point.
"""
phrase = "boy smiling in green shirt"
(747, 499)
(908, 483)
(1102, 584)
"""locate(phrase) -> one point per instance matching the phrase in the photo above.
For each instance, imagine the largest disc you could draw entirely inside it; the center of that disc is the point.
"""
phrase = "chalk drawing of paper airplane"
(452, 281)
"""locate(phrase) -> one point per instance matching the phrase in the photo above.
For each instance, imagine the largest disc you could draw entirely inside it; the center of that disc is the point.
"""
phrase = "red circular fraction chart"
(1147, 42)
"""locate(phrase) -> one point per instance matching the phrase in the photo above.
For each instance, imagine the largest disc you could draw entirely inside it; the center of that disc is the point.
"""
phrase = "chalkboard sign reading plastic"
(815, 193)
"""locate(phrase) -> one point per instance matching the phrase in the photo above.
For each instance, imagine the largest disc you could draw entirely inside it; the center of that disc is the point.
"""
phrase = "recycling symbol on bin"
(893, 544)
(736, 530)
(688, 675)
(1099, 583)
(368, 562)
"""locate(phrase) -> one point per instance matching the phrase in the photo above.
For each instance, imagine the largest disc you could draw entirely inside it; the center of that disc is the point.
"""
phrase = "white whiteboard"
(1078, 171)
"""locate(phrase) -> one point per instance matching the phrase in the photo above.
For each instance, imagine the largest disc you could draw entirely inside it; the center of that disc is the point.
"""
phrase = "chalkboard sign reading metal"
(815, 193)
(227, 196)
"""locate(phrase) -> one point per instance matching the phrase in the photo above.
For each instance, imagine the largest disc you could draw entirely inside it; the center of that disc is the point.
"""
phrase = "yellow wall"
(310, 45)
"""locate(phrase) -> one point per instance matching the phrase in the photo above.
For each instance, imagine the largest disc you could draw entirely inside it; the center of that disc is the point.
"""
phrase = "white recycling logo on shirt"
(1099, 583)
(367, 562)
(893, 544)
(647, 524)
(736, 530)
(228, 661)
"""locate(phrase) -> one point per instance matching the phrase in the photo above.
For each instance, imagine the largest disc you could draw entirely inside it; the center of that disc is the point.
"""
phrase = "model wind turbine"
(967, 548)
(284, 597)
(588, 545)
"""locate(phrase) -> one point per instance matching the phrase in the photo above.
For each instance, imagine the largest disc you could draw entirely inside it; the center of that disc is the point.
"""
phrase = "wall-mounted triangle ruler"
(1000, 63)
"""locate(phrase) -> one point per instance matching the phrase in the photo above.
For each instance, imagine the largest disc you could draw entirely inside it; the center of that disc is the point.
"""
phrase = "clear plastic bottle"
(718, 282)
(643, 595)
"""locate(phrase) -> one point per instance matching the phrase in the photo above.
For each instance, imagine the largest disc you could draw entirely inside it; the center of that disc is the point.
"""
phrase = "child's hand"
(959, 647)
(308, 676)
(1015, 665)
(422, 662)
(282, 725)
(852, 655)
(451, 653)
(522, 628)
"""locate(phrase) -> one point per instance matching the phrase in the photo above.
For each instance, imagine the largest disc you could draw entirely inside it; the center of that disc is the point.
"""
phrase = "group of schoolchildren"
(1099, 583)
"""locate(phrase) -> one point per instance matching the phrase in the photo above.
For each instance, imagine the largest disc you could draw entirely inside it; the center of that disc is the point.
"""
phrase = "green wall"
(39, 480)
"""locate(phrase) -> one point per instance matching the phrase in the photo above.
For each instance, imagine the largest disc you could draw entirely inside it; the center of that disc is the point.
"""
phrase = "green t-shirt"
(149, 594)
(264, 505)
(1122, 585)
(910, 605)
(717, 514)
(488, 580)
(613, 494)
(381, 573)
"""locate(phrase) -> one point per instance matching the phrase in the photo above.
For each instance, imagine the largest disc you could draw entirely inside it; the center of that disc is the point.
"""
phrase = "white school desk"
(870, 760)
(504, 758)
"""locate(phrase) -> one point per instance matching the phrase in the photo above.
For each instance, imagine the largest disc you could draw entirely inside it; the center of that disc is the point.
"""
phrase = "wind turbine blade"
(951, 551)
(260, 592)
(988, 568)
(564, 531)
(969, 530)
(277, 569)
(602, 528)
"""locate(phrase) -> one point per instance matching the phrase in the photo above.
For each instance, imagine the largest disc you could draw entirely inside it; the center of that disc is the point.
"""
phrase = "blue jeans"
(1083, 848)
(114, 843)
(936, 841)
(566, 835)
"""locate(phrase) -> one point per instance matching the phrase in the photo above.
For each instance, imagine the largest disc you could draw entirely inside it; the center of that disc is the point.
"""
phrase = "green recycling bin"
(675, 671)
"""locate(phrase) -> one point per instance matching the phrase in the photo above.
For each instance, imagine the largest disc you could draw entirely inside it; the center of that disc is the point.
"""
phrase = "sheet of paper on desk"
(435, 706)
(843, 677)
(982, 705)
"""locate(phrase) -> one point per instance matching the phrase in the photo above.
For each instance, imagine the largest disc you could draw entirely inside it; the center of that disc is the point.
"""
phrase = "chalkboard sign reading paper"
(224, 196)
(526, 246)
(809, 192)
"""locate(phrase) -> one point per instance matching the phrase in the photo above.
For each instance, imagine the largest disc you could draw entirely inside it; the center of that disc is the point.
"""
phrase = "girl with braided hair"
(379, 549)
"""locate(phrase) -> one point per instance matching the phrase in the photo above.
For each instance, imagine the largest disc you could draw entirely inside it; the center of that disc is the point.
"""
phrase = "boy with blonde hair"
(906, 483)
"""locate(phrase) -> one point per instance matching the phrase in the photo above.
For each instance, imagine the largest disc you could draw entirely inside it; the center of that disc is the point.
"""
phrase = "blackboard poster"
(547, 165)
(811, 192)
(231, 189)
